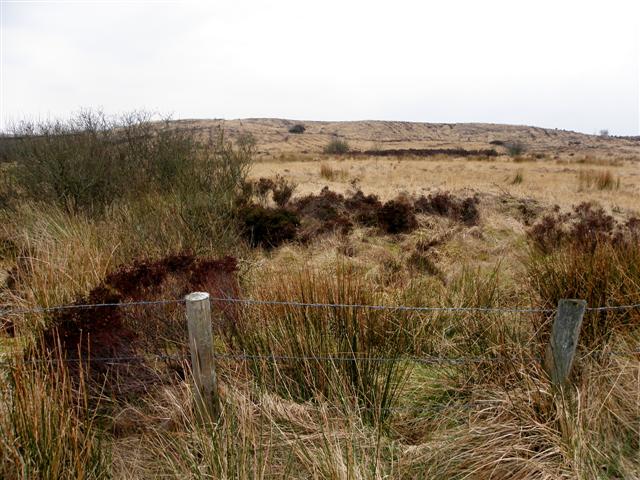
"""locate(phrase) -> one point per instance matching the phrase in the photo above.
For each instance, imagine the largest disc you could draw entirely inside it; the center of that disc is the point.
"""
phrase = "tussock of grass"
(47, 429)
(601, 180)
(353, 335)
(333, 174)
(518, 178)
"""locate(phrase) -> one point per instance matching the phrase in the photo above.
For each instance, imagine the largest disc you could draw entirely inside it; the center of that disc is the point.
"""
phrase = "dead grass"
(497, 417)
(546, 182)
(333, 174)
(601, 180)
(518, 178)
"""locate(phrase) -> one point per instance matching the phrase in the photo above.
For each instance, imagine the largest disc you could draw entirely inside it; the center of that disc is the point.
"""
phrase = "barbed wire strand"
(87, 306)
(613, 307)
(249, 301)
(433, 359)
(279, 303)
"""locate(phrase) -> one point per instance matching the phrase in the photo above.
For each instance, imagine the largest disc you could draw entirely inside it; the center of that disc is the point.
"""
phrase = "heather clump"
(447, 205)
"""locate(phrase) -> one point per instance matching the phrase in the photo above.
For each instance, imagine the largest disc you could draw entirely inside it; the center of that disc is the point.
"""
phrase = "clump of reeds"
(518, 178)
(601, 180)
(333, 174)
(47, 428)
(325, 352)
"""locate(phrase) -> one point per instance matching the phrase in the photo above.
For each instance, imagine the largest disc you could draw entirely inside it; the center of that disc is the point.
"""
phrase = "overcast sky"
(558, 63)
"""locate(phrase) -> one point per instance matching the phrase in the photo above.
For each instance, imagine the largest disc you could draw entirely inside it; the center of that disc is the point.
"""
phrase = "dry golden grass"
(601, 180)
(332, 173)
(273, 138)
(317, 418)
(547, 182)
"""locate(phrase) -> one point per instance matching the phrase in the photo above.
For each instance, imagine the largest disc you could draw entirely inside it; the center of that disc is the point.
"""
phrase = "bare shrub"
(268, 227)
(297, 128)
(397, 216)
(337, 147)
(246, 140)
(210, 188)
(262, 187)
(515, 148)
(447, 205)
(90, 160)
(282, 190)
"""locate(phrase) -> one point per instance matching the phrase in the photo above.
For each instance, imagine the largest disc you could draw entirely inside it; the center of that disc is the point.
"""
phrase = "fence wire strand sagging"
(24, 311)
(349, 357)
(291, 303)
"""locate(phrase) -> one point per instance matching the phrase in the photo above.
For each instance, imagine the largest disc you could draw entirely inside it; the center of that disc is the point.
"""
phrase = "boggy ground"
(547, 180)
(356, 393)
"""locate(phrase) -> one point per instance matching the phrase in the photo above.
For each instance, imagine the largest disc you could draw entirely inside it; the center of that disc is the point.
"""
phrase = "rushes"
(47, 429)
(337, 344)
(598, 179)
(517, 178)
(333, 174)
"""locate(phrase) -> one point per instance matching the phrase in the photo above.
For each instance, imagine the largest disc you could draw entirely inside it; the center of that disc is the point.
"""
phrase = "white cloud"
(571, 64)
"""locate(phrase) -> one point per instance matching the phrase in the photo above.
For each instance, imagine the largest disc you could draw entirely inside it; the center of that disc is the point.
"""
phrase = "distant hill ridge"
(272, 135)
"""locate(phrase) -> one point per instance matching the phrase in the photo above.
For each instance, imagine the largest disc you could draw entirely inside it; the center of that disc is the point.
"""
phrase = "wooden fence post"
(202, 361)
(564, 340)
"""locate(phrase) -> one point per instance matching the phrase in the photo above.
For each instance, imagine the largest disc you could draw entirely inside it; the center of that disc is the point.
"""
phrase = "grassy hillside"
(273, 136)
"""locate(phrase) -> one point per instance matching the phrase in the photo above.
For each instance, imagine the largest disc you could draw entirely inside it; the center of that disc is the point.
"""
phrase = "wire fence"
(426, 360)
(250, 301)
(346, 357)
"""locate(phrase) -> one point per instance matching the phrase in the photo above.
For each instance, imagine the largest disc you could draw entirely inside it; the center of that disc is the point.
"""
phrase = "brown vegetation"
(429, 152)
(98, 335)
(330, 392)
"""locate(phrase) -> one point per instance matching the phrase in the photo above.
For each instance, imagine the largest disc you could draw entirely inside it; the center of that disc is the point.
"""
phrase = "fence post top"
(575, 301)
(197, 297)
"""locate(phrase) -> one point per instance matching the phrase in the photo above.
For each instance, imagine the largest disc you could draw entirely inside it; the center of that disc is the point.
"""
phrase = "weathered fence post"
(564, 340)
(202, 361)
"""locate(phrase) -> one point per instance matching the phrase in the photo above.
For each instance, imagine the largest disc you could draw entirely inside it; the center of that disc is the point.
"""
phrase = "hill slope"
(272, 136)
